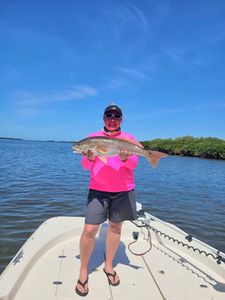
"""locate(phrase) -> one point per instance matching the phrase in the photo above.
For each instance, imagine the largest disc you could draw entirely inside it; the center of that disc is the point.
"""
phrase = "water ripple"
(40, 180)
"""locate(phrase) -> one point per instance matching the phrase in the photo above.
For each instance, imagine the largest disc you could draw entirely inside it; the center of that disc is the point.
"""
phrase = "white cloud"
(186, 57)
(122, 15)
(126, 13)
(116, 83)
(27, 98)
(77, 92)
(133, 72)
(133, 14)
(29, 103)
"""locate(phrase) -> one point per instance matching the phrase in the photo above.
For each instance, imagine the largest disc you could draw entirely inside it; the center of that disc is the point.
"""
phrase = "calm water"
(39, 180)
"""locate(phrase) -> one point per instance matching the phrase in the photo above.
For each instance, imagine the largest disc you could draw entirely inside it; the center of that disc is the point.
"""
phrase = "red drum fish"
(106, 146)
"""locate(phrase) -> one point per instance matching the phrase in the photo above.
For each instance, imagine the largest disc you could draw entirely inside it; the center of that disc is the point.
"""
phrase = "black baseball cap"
(113, 107)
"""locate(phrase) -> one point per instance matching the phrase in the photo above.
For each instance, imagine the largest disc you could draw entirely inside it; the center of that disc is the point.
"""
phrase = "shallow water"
(39, 180)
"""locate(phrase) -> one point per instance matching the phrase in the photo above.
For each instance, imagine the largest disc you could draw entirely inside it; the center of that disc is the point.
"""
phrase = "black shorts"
(116, 207)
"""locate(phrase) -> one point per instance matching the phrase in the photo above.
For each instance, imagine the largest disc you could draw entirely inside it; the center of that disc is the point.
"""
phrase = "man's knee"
(115, 227)
(90, 230)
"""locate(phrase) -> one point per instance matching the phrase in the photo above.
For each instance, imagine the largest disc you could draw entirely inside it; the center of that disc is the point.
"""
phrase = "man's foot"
(113, 278)
(82, 287)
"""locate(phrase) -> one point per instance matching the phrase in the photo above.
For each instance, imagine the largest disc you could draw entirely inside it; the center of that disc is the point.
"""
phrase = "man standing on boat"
(111, 196)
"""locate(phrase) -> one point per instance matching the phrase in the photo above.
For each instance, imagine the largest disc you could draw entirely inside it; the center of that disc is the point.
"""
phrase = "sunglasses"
(112, 115)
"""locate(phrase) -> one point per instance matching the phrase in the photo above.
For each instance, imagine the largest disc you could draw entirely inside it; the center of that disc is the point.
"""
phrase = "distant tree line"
(9, 138)
(209, 147)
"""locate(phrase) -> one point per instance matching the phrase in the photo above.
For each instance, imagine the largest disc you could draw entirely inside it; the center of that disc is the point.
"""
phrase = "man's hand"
(124, 154)
(89, 154)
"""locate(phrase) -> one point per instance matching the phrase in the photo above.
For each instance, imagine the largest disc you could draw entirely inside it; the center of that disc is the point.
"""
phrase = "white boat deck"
(49, 270)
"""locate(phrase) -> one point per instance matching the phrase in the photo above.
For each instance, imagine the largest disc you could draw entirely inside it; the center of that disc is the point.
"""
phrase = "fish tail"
(154, 156)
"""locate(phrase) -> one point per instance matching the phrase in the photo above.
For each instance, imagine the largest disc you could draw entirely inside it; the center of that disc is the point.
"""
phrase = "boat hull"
(47, 265)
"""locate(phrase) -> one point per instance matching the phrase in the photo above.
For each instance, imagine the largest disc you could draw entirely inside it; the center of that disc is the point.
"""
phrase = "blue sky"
(62, 62)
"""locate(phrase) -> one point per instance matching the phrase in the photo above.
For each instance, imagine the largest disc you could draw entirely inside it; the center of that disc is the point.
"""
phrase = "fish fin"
(101, 150)
(102, 158)
(154, 157)
(131, 141)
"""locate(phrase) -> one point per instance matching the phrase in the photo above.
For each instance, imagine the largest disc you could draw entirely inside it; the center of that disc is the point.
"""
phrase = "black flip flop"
(83, 285)
(114, 276)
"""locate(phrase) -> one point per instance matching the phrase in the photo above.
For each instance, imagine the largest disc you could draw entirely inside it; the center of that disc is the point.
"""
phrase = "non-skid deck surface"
(159, 274)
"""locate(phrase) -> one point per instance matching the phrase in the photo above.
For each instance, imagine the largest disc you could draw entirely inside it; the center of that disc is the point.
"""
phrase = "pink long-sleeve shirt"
(114, 175)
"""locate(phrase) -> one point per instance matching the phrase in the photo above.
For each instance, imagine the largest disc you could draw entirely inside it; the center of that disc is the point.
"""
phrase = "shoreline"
(187, 146)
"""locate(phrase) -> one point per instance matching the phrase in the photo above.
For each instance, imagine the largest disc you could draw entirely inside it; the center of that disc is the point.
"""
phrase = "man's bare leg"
(87, 242)
(112, 243)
